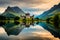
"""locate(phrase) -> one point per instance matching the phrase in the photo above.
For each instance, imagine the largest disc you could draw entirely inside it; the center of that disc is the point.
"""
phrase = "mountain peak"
(59, 4)
(46, 13)
(8, 8)
(56, 6)
(15, 9)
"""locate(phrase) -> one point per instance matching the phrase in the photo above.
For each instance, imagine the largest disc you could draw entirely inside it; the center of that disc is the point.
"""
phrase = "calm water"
(14, 28)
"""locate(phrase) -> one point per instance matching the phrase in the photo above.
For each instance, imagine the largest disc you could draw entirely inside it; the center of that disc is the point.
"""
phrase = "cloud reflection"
(32, 33)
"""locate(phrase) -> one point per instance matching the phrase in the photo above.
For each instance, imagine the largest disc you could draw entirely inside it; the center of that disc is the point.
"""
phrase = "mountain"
(52, 17)
(12, 12)
(46, 14)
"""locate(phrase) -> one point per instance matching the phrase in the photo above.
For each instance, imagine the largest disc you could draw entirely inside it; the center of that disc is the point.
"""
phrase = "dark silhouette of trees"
(16, 18)
(2, 22)
(2, 18)
(56, 21)
(47, 20)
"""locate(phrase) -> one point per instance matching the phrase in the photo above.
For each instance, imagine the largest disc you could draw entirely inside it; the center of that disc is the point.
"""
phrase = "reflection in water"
(14, 27)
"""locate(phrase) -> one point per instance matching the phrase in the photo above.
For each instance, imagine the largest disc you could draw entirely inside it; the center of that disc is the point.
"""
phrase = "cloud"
(4, 3)
(33, 5)
(38, 38)
(27, 3)
(37, 3)
(33, 1)
(2, 9)
(21, 3)
(32, 35)
(33, 11)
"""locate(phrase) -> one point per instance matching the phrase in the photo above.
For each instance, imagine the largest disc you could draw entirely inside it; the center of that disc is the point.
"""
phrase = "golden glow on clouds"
(43, 34)
(48, 5)
(40, 34)
(40, 4)
(1, 30)
(2, 10)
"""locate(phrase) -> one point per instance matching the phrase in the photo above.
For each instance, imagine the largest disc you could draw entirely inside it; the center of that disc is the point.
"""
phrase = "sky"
(35, 7)
(32, 33)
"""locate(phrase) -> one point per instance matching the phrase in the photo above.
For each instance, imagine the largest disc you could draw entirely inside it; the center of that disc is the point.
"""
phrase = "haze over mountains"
(54, 20)
(34, 34)
(54, 9)
(12, 12)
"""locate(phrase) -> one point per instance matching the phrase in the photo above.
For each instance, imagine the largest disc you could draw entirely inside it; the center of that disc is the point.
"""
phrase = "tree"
(56, 21)
(16, 18)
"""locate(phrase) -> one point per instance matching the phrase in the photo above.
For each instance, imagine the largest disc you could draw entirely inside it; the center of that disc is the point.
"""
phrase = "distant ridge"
(46, 13)
(16, 9)
(10, 11)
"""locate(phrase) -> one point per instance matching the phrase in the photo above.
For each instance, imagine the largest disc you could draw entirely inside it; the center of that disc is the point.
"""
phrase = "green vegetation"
(54, 20)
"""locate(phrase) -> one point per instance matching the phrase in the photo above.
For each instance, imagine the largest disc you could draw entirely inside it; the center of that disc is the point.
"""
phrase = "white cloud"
(38, 4)
(44, 34)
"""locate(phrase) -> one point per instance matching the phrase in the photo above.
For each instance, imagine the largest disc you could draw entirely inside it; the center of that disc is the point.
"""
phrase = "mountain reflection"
(13, 26)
